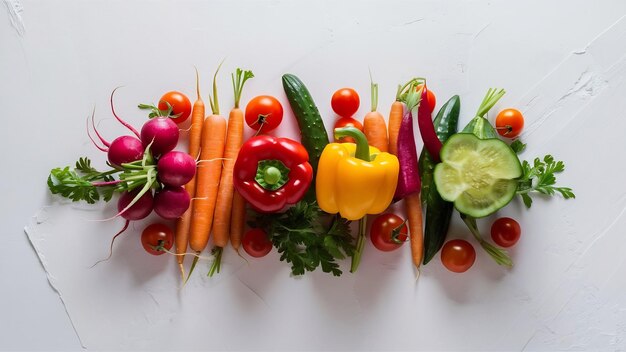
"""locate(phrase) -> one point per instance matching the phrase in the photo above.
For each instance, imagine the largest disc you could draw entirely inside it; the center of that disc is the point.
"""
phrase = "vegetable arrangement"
(302, 197)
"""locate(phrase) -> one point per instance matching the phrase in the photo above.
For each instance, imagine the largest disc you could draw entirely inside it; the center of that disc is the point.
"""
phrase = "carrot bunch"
(412, 202)
(183, 224)
(217, 209)
(230, 215)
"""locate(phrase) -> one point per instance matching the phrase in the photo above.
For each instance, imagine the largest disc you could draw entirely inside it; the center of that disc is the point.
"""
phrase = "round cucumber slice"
(478, 175)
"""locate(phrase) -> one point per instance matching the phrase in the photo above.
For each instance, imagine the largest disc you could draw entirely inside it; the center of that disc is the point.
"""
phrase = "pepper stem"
(360, 244)
(272, 175)
(362, 147)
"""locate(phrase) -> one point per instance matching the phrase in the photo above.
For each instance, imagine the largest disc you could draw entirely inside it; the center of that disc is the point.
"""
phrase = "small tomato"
(181, 106)
(264, 113)
(388, 232)
(345, 102)
(156, 238)
(509, 123)
(458, 255)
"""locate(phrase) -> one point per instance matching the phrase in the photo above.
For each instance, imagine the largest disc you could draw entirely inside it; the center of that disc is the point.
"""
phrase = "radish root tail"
(112, 241)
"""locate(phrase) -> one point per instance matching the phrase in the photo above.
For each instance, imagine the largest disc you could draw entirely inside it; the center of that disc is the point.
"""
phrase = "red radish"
(176, 168)
(137, 211)
(408, 178)
(125, 149)
(161, 133)
(171, 202)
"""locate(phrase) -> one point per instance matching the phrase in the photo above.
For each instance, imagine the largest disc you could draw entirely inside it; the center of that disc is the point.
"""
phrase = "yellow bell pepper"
(355, 179)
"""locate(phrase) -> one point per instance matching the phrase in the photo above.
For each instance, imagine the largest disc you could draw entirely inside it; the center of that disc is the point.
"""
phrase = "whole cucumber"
(313, 135)
(438, 211)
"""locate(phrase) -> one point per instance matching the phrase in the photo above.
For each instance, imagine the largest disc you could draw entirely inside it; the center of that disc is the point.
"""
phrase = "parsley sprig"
(540, 177)
(304, 241)
(81, 183)
(84, 182)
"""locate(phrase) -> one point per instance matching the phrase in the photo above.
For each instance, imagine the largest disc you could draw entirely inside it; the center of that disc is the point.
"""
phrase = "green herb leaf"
(70, 185)
(518, 146)
(336, 242)
(302, 239)
(526, 199)
(81, 183)
(541, 178)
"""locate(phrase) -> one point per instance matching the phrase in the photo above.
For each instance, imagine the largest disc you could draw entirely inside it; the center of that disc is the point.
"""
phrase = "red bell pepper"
(272, 172)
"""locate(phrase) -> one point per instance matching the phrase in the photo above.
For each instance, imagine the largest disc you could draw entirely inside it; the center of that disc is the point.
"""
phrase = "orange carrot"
(413, 207)
(208, 175)
(395, 116)
(374, 126)
(237, 221)
(234, 140)
(208, 179)
(195, 134)
(395, 119)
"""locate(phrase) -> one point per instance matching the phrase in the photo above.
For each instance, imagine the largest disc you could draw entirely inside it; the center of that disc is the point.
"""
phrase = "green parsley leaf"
(70, 185)
(541, 178)
(518, 146)
(78, 184)
(304, 241)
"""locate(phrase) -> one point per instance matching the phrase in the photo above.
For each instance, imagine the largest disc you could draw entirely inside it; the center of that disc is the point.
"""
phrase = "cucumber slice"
(478, 175)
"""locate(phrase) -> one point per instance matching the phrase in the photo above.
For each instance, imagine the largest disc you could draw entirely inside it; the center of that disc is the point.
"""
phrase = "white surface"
(562, 63)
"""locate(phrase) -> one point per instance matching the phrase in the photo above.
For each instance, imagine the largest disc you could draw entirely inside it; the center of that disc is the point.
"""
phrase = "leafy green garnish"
(518, 146)
(540, 177)
(156, 112)
(302, 239)
(78, 184)
(86, 183)
(70, 185)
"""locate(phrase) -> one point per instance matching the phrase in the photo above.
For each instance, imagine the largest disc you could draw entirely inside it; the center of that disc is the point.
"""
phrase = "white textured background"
(563, 64)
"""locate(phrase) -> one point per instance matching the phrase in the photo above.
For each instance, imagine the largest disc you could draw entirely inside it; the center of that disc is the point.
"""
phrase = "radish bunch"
(151, 174)
(166, 172)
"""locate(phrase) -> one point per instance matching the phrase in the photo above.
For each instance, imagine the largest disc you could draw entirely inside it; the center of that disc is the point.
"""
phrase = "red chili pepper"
(272, 172)
(426, 127)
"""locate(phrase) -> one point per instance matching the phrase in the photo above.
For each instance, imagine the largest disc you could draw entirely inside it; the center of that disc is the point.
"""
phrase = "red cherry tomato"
(505, 232)
(181, 106)
(388, 232)
(430, 97)
(256, 243)
(156, 238)
(264, 113)
(509, 123)
(458, 255)
(345, 102)
(347, 122)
